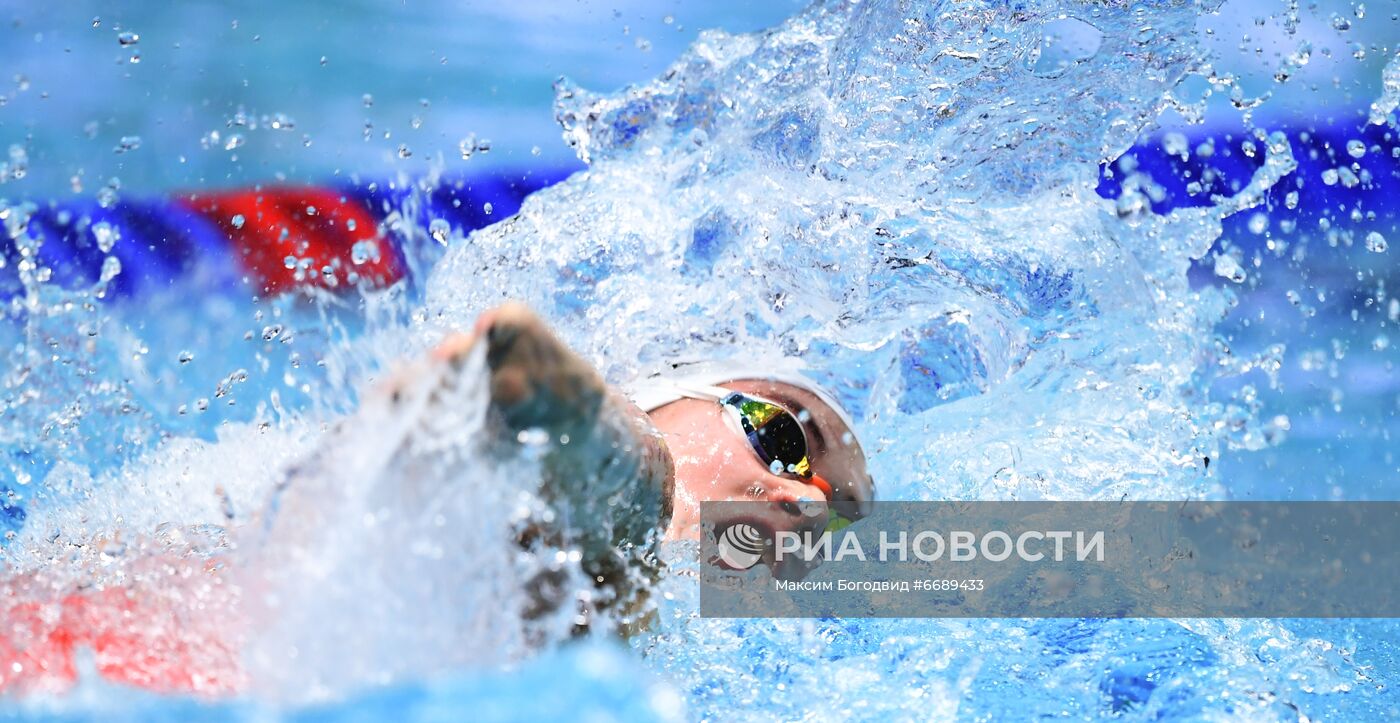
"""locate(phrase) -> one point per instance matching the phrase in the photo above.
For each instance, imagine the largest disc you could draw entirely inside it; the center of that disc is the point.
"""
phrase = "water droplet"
(440, 230)
(350, 224)
(281, 122)
(238, 220)
(533, 437)
(487, 208)
(105, 235)
(125, 37)
(1175, 144)
(404, 152)
(1375, 242)
(1258, 223)
(1356, 148)
(1329, 176)
(471, 145)
(368, 100)
(111, 267)
(363, 251)
(185, 356)
(776, 467)
(234, 141)
(128, 143)
(1226, 267)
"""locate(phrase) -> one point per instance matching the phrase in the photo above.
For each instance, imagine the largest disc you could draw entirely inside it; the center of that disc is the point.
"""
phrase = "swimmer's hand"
(537, 382)
(606, 469)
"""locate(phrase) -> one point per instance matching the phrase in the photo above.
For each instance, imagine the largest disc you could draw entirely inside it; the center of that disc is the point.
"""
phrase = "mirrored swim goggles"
(775, 435)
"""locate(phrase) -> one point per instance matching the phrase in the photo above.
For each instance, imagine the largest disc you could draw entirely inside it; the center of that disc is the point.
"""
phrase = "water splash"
(907, 205)
(902, 197)
(1390, 92)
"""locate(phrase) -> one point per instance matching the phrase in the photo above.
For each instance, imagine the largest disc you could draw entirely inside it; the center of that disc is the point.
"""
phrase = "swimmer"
(622, 470)
(629, 468)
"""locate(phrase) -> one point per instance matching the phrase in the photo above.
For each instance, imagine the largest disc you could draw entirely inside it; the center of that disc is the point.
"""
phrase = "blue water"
(973, 221)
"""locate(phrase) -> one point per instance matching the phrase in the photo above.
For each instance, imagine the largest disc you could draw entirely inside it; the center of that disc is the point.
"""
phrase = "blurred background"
(215, 94)
(235, 93)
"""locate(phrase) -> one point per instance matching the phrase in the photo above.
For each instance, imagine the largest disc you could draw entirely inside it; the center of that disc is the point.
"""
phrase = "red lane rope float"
(299, 237)
(163, 636)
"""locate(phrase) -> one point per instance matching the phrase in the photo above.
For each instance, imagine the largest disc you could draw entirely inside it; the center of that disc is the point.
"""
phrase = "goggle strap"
(702, 392)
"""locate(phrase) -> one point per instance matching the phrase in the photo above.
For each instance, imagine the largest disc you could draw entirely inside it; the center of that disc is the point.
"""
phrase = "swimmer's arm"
(605, 464)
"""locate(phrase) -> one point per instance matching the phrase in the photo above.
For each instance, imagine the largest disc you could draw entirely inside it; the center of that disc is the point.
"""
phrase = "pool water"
(992, 230)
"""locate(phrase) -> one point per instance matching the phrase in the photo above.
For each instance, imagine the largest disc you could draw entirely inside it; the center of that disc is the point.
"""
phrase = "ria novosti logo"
(740, 546)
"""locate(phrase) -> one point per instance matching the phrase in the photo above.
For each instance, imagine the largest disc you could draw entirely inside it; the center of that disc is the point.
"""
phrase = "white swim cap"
(656, 391)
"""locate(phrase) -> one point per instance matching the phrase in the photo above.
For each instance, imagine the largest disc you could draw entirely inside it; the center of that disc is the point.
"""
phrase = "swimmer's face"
(715, 463)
